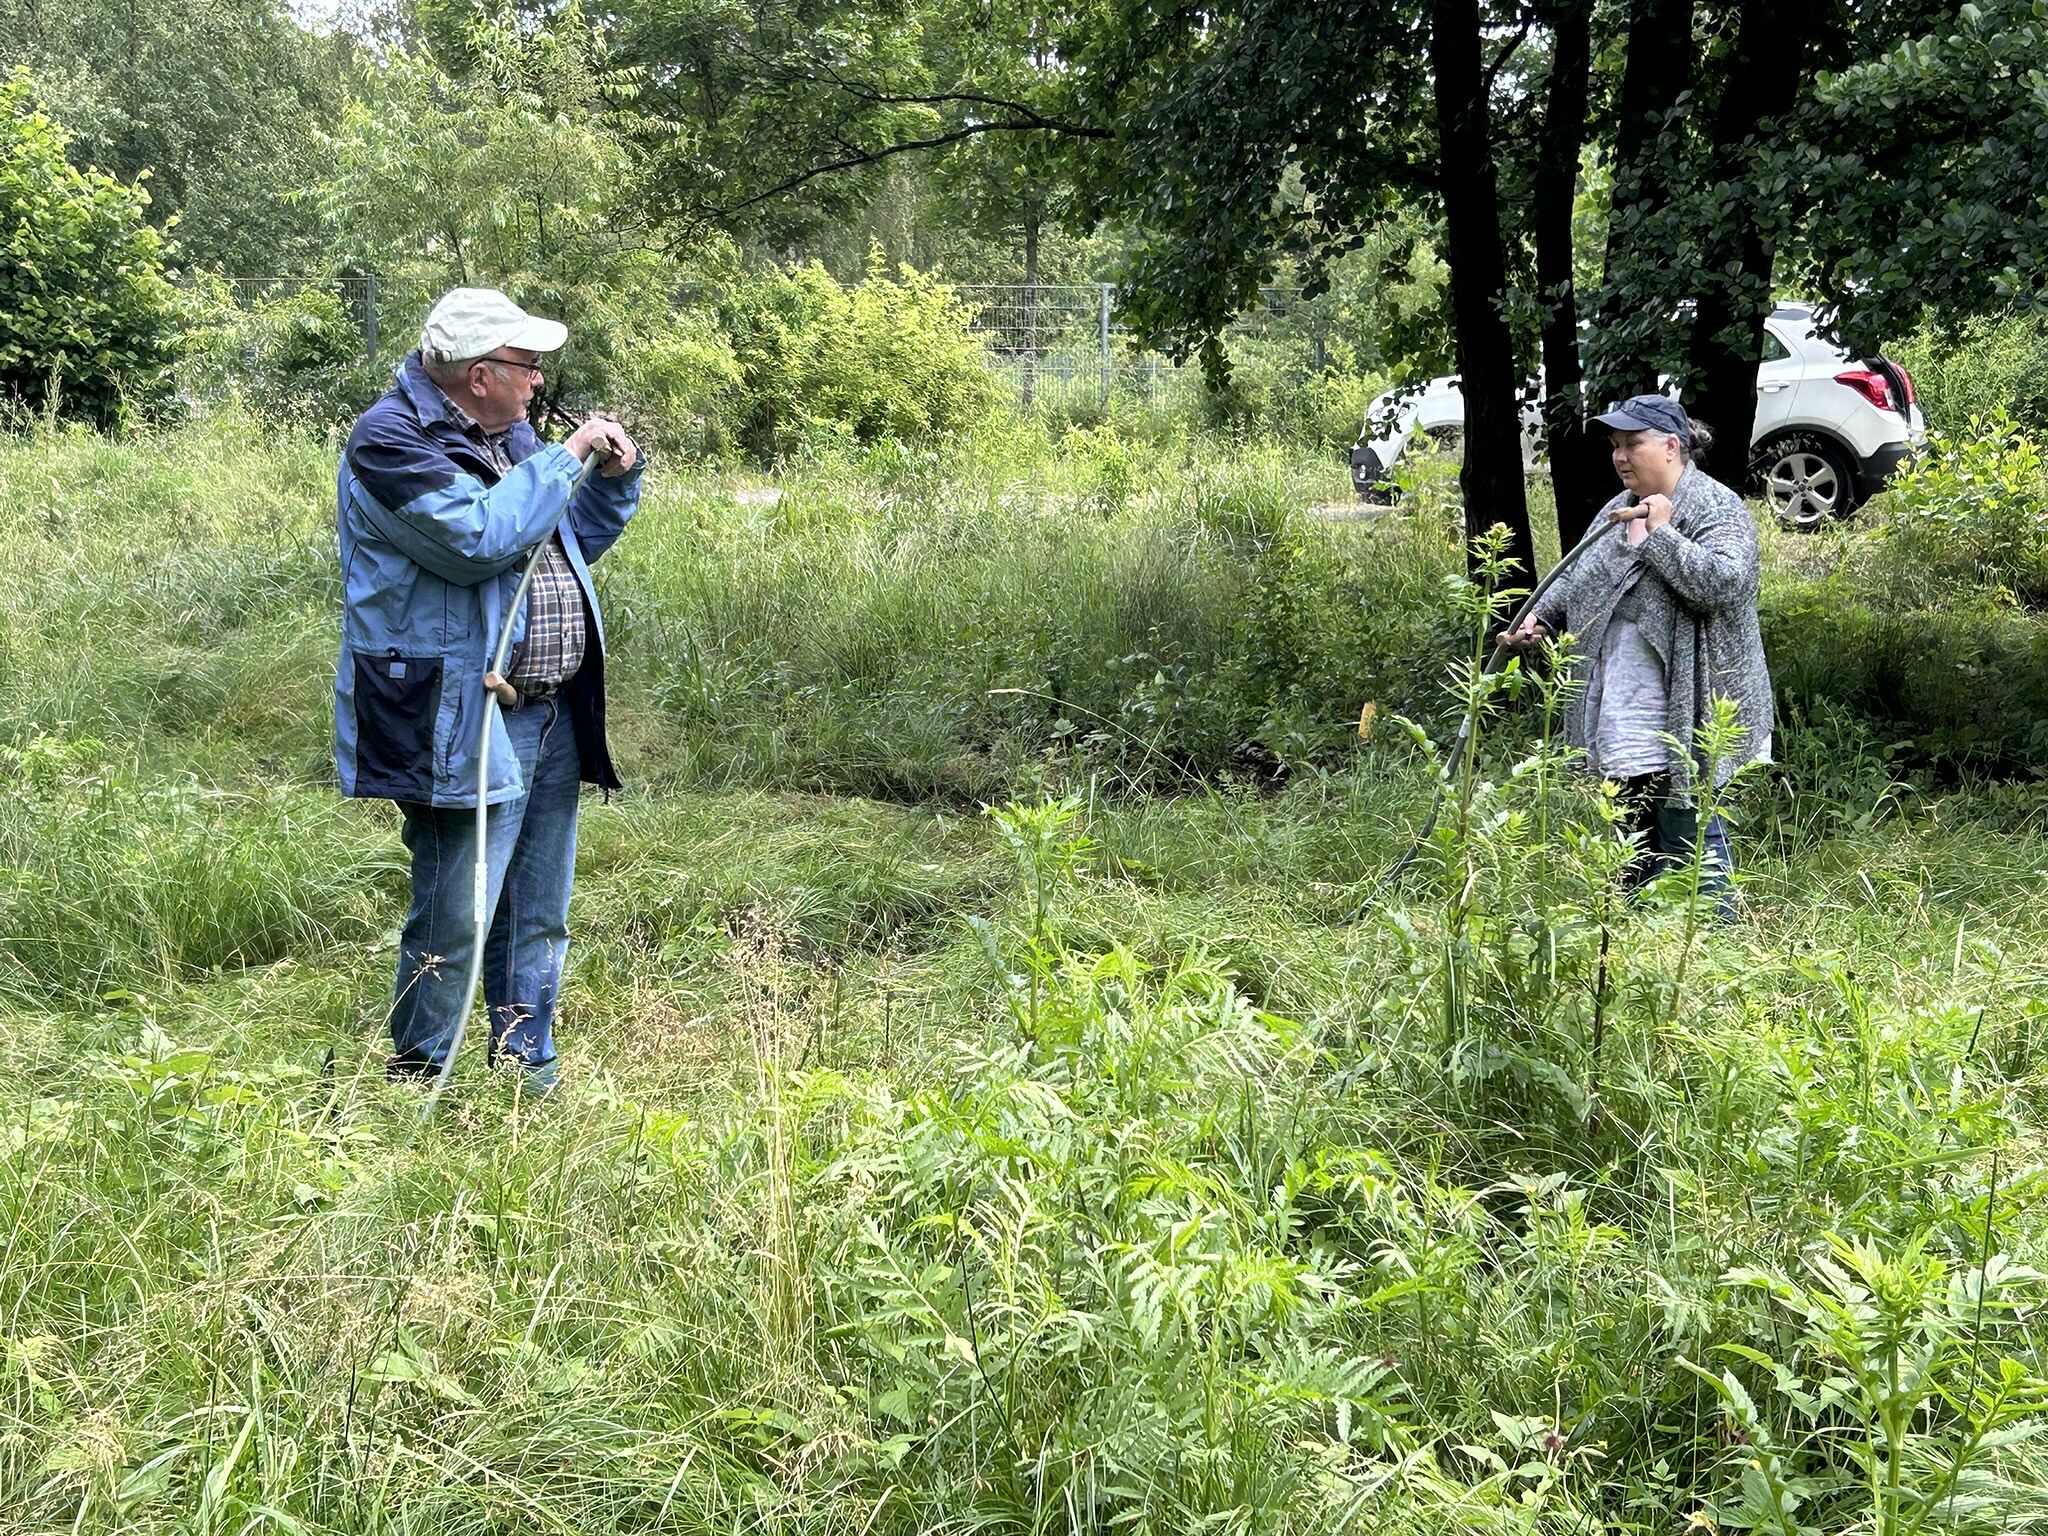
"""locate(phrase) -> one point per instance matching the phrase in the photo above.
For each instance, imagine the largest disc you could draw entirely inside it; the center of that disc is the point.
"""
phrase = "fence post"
(1103, 331)
(370, 318)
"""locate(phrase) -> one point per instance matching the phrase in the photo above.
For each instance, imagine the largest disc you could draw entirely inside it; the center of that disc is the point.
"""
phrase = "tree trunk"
(1579, 476)
(1629, 317)
(1491, 478)
(1764, 71)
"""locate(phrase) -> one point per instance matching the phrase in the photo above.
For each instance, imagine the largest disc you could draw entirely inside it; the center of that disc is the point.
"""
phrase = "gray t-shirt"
(1628, 703)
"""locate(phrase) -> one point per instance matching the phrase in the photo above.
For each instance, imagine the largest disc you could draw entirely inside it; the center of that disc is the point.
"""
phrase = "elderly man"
(444, 490)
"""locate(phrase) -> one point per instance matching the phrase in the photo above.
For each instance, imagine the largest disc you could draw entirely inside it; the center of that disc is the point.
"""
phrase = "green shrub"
(1922, 618)
(1157, 1341)
(1275, 393)
(1970, 511)
(1138, 410)
(676, 380)
(86, 318)
(1110, 467)
(1962, 683)
(1985, 367)
(295, 356)
(820, 364)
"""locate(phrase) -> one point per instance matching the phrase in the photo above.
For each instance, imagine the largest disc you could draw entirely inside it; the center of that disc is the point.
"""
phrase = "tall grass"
(1093, 1166)
(901, 622)
(940, 631)
(835, 1234)
(184, 584)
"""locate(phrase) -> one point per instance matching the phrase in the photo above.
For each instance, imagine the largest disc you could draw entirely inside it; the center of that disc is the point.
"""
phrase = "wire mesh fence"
(1058, 346)
(367, 299)
(1053, 343)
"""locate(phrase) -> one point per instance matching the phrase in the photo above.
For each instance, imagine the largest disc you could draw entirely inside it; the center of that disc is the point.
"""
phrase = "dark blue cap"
(1649, 413)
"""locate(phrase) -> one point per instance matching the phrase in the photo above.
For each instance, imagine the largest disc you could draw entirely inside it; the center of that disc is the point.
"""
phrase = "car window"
(1774, 349)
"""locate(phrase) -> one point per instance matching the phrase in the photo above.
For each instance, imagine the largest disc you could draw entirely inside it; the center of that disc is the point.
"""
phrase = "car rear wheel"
(1448, 441)
(1805, 478)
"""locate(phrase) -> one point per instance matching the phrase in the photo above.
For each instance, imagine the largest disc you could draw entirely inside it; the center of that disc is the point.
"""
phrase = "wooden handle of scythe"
(507, 694)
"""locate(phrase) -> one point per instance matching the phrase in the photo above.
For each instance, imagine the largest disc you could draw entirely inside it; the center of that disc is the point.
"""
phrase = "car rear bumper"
(1873, 470)
(1369, 477)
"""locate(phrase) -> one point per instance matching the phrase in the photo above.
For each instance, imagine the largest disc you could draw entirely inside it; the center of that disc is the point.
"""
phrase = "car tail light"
(1912, 394)
(1874, 387)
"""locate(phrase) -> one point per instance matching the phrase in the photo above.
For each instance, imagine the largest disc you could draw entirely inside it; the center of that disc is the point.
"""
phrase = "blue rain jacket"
(433, 541)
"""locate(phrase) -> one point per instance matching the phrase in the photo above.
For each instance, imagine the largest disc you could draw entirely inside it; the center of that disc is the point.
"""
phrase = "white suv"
(1830, 427)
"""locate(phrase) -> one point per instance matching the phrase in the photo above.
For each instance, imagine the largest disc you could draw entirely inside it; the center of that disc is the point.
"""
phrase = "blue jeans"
(532, 865)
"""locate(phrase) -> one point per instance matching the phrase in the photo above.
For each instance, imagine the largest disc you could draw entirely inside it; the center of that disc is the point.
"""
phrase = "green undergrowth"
(1092, 1159)
(1077, 1169)
(901, 622)
(1924, 616)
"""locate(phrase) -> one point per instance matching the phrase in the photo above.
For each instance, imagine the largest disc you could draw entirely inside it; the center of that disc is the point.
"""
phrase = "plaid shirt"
(552, 648)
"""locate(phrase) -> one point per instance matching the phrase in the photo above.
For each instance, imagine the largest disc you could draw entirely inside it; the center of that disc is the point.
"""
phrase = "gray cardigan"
(1696, 586)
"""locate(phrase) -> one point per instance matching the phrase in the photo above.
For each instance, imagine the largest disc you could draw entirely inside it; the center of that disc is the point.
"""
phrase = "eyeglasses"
(533, 370)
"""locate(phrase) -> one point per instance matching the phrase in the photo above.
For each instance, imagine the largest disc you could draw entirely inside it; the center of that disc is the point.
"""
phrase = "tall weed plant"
(1570, 1044)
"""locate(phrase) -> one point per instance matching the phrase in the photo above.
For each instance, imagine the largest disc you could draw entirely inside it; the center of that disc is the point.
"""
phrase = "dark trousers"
(1665, 830)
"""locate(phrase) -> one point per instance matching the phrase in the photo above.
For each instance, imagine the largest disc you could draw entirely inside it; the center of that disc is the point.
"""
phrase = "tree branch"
(877, 97)
(1031, 115)
(862, 157)
(1507, 52)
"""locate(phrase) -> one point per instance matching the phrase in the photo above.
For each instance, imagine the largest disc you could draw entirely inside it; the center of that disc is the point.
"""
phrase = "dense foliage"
(1934, 198)
(1981, 368)
(1971, 512)
(85, 314)
(220, 105)
(294, 357)
(885, 359)
(1926, 621)
(588, 158)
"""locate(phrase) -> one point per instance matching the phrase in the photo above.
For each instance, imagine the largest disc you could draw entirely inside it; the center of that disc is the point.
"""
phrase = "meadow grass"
(1095, 1165)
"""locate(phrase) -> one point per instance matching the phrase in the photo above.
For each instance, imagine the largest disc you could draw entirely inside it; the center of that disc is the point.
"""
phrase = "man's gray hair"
(446, 370)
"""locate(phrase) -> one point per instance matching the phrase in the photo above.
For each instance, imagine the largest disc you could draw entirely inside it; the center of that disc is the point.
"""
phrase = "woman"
(1665, 618)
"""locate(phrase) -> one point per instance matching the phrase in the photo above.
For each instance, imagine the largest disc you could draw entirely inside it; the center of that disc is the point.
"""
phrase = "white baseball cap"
(468, 322)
